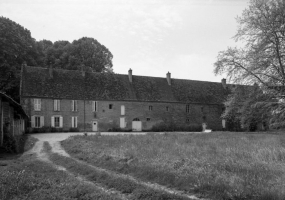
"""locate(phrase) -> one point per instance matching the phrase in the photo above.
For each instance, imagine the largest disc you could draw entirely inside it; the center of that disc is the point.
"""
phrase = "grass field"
(27, 178)
(215, 165)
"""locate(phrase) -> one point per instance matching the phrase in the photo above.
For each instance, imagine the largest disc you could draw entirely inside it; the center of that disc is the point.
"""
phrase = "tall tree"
(16, 47)
(262, 59)
(261, 29)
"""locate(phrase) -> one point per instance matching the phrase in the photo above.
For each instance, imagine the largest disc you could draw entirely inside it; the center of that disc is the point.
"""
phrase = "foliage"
(247, 109)
(215, 165)
(262, 30)
(16, 47)
(161, 127)
(261, 60)
(85, 53)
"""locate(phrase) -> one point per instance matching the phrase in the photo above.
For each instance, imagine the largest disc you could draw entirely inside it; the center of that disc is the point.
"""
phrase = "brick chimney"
(168, 77)
(224, 83)
(50, 70)
(130, 75)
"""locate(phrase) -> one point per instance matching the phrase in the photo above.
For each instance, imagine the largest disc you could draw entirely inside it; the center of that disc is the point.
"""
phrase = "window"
(110, 106)
(148, 119)
(37, 104)
(57, 121)
(94, 106)
(74, 105)
(187, 120)
(187, 108)
(122, 110)
(202, 109)
(56, 105)
(167, 108)
(37, 121)
(150, 108)
(74, 122)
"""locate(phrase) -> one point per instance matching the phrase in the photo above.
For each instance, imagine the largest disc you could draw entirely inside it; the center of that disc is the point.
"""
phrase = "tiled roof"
(70, 84)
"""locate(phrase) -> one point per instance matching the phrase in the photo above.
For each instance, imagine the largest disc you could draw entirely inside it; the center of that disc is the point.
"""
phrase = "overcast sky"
(150, 36)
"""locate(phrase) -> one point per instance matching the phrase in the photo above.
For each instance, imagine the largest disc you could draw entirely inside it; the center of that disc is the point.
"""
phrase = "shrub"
(73, 130)
(161, 127)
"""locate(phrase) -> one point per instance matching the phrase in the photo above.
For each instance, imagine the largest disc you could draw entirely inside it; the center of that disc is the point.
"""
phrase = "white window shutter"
(60, 122)
(54, 105)
(122, 110)
(72, 103)
(75, 122)
(39, 104)
(75, 102)
(33, 121)
(42, 122)
(72, 122)
(52, 121)
(58, 105)
(35, 104)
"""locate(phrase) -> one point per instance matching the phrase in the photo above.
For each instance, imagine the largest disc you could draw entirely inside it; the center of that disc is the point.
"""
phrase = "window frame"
(56, 105)
(37, 104)
(74, 105)
(187, 108)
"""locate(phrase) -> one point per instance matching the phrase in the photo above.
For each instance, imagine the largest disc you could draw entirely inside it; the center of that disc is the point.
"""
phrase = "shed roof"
(71, 84)
(17, 107)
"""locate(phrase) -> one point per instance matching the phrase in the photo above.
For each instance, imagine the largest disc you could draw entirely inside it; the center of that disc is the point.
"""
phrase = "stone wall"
(110, 118)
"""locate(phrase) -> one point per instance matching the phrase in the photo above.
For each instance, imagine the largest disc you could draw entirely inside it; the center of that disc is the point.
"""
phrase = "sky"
(151, 37)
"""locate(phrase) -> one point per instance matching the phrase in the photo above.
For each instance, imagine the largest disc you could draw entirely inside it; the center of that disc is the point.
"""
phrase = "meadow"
(218, 165)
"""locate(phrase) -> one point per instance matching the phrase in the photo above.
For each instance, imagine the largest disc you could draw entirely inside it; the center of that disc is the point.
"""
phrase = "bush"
(73, 130)
(173, 127)
(14, 144)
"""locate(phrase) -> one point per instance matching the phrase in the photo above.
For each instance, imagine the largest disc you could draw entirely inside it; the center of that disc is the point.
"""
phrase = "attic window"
(148, 119)
(110, 106)
(187, 108)
(150, 108)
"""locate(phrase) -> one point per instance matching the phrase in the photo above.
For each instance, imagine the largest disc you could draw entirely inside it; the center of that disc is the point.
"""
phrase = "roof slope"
(70, 84)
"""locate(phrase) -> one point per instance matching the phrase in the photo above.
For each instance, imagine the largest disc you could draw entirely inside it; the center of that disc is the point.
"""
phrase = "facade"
(12, 118)
(100, 102)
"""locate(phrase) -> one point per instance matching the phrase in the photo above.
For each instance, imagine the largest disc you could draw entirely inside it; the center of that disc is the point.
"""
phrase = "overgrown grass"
(26, 178)
(217, 165)
(132, 189)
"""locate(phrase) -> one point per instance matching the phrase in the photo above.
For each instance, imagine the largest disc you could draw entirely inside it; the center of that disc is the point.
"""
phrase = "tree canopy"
(18, 47)
(261, 60)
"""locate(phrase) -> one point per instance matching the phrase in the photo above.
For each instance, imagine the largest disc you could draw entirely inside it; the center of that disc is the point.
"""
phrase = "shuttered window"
(74, 105)
(37, 104)
(56, 105)
(57, 121)
(94, 106)
(37, 121)
(74, 122)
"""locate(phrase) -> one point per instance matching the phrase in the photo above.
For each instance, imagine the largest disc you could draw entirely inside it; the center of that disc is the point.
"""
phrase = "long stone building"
(102, 101)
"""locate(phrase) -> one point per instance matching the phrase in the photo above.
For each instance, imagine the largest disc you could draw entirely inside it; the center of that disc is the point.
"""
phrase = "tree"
(261, 60)
(86, 53)
(16, 47)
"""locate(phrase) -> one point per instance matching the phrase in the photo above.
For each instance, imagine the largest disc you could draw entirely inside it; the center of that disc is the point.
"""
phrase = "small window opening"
(148, 119)
(150, 108)
(110, 106)
(202, 109)
(187, 108)
(187, 120)
(167, 108)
